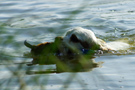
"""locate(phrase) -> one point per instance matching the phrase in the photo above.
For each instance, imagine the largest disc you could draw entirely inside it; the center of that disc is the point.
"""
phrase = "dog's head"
(79, 38)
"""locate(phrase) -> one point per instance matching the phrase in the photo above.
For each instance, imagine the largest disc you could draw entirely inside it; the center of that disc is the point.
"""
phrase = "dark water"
(42, 20)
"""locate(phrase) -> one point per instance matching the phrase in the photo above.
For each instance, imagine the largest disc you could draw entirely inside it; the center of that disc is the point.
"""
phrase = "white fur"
(89, 37)
(117, 45)
(82, 34)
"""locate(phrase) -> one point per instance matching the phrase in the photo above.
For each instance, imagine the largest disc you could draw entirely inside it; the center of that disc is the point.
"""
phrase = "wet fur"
(42, 52)
(49, 52)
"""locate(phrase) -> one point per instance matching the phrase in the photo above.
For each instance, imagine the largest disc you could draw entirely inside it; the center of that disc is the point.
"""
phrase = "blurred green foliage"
(17, 71)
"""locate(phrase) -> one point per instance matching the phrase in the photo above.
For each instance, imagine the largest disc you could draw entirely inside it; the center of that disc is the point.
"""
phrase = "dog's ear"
(73, 38)
(85, 45)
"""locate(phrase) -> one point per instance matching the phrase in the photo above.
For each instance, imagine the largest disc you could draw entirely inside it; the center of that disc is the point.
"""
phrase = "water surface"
(41, 21)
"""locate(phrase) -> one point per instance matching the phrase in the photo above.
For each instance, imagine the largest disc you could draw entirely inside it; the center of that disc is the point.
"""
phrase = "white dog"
(75, 40)
(80, 38)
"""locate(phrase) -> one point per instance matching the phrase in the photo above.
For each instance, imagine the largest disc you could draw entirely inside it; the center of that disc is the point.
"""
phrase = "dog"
(76, 40)
(80, 38)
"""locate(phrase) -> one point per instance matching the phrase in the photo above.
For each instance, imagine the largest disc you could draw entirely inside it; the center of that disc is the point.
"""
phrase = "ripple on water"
(41, 20)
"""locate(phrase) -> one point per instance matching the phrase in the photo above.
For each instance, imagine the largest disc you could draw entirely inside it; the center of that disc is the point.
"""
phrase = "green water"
(42, 20)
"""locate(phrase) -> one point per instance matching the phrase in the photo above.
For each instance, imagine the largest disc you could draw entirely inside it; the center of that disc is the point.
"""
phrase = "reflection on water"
(78, 63)
(41, 21)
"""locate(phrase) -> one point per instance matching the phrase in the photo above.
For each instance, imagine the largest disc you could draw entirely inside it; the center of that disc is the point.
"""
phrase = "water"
(41, 21)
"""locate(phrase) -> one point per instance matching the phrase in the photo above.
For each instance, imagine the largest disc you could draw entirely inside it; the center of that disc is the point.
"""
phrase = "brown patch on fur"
(43, 53)
(41, 47)
(47, 47)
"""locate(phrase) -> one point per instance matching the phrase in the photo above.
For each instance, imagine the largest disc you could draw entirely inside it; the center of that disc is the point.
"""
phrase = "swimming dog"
(80, 38)
(76, 40)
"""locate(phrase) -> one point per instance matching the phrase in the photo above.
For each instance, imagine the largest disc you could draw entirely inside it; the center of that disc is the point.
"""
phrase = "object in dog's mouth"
(77, 40)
